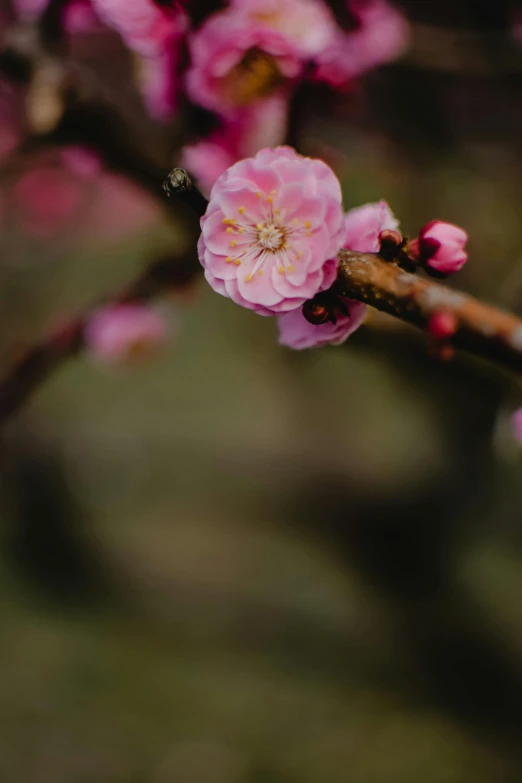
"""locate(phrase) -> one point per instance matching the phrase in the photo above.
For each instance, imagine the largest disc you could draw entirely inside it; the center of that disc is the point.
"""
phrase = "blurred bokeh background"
(235, 563)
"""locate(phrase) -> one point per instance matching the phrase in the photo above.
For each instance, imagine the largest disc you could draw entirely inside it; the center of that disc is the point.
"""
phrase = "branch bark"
(485, 331)
(482, 330)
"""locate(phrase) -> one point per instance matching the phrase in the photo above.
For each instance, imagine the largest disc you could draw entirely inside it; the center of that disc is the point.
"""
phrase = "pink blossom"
(83, 161)
(79, 17)
(261, 125)
(308, 24)
(381, 34)
(272, 231)
(146, 27)
(362, 226)
(236, 61)
(441, 247)
(298, 333)
(122, 333)
(517, 424)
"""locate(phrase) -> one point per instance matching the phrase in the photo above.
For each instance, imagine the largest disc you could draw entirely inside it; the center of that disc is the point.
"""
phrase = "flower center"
(255, 76)
(270, 236)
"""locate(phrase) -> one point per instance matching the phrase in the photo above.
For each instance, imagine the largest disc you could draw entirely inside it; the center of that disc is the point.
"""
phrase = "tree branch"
(366, 277)
(481, 329)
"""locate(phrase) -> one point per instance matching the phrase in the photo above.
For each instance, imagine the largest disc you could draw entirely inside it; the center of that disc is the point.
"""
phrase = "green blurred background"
(239, 564)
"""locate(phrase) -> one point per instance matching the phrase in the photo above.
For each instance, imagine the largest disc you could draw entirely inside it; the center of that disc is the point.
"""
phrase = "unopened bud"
(442, 325)
(315, 312)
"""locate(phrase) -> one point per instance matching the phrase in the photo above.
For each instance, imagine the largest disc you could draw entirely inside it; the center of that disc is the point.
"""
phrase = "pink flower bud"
(124, 333)
(442, 325)
(441, 247)
(517, 425)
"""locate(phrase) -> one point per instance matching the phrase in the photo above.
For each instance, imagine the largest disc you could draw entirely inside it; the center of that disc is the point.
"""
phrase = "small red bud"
(316, 313)
(390, 242)
(442, 325)
(412, 250)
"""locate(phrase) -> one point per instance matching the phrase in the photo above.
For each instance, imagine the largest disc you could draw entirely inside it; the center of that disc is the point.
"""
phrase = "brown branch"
(366, 277)
(482, 330)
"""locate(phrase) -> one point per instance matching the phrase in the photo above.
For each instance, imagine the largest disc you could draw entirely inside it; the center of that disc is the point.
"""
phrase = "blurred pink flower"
(124, 333)
(381, 34)
(147, 28)
(261, 125)
(308, 24)
(298, 333)
(79, 17)
(517, 425)
(441, 247)
(362, 226)
(237, 61)
(30, 8)
(272, 231)
(46, 198)
(84, 162)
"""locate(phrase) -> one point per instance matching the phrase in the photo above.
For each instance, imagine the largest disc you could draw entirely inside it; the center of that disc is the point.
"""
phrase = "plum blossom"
(362, 227)
(441, 247)
(308, 24)
(123, 333)
(146, 27)
(236, 61)
(380, 34)
(272, 231)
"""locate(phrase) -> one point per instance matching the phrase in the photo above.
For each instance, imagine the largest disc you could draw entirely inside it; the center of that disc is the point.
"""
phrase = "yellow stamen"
(237, 262)
(226, 221)
(241, 210)
(290, 268)
(260, 272)
(232, 221)
(229, 259)
(248, 278)
(269, 199)
(307, 224)
(259, 194)
(241, 229)
(259, 226)
(299, 254)
(230, 230)
(233, 243)
(281, 270)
